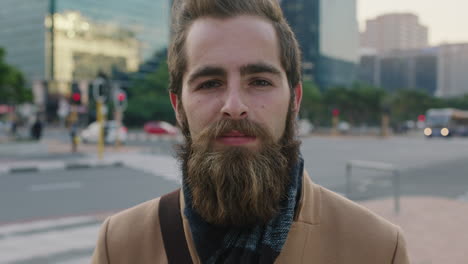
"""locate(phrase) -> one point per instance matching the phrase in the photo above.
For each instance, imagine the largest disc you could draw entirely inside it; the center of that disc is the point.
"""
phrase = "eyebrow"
(259, 68)
(207, 71)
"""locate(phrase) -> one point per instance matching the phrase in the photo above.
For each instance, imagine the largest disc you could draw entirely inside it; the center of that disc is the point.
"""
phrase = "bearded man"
(245, 198)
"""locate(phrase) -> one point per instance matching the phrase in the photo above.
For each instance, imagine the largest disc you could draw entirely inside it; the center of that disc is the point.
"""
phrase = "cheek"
(199, 112)
(273, 114)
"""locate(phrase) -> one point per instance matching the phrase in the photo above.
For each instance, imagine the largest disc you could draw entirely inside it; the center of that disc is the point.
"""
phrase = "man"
(236, 91)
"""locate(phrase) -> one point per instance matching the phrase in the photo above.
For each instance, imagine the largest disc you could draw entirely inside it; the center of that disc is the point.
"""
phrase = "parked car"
(160, 128)
(344, 127)
(91, 133)
(305, 127)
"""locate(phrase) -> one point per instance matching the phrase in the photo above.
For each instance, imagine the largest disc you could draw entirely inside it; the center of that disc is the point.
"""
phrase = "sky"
(447, 19)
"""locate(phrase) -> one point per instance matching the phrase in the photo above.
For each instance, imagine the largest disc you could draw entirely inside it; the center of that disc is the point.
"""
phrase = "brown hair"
(185, 12)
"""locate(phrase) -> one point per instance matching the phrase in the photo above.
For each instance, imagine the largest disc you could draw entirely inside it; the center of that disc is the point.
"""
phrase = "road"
(428, 166)
(53, 216)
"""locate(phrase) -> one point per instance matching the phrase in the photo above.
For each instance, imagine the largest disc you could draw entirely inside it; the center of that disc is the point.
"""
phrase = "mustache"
(224, 126)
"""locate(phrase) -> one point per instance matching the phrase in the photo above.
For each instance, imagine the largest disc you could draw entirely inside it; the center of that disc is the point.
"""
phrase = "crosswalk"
(66, 241)
(142, 136)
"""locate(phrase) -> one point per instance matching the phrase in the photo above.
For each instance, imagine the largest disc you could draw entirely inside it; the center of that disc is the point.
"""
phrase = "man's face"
(234, 72)
(237, 115)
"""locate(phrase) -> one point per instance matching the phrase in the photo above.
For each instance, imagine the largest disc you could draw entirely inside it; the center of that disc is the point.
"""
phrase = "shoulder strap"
(172, 229)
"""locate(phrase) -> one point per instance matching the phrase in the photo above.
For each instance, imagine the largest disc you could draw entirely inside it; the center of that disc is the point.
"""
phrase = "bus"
(446, 122)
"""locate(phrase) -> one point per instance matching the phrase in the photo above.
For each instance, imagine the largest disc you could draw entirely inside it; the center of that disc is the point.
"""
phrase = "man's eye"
(209, 85)
(261, 83)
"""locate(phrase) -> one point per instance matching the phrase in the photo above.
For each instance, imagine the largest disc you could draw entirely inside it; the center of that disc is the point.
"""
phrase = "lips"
(234, 133)
(236, 138)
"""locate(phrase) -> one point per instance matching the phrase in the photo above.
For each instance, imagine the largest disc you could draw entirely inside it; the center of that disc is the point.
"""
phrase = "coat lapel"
(303, 242)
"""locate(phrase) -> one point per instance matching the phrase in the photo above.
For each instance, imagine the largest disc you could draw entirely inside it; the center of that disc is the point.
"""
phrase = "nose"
(234, 106)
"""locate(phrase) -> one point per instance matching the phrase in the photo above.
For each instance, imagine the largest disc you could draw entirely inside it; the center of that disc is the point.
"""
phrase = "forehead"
(231, 42)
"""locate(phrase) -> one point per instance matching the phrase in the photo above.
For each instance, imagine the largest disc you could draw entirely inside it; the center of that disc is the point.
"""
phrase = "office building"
(396, 31)
(439, 70)
(453, 70)
(401, 69)
(327, 32)
(88, 36)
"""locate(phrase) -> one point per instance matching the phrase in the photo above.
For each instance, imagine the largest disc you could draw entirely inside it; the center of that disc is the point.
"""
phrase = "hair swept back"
(185, 12)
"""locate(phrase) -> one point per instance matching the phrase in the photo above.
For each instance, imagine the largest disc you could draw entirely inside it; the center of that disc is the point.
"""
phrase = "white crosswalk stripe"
(50, 241)
(8, 230)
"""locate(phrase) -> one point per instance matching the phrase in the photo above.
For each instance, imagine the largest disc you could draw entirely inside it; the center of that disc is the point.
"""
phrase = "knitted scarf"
(257, 244)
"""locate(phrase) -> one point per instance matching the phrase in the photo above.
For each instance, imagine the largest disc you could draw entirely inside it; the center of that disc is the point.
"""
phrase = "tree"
(148, 97)
(368, 103)
(359, 104)
(338, 97)
(408, 104)
(457, 102)
(12, 84)
(312, 105)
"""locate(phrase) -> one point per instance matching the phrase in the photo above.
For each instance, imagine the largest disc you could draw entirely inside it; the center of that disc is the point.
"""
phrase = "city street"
(428, 166)
(53, 215)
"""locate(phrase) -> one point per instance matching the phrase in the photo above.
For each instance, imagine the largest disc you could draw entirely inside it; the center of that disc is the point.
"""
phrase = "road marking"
(55, 186)
(50, 238)
(160, 165)
(50, 243)
(11, 229)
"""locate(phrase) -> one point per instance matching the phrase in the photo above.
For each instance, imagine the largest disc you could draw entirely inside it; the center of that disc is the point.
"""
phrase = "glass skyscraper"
(89, 36)
(327, 32)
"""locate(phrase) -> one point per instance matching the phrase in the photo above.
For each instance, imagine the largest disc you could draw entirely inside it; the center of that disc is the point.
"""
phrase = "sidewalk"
(434, 228)
(159, 165)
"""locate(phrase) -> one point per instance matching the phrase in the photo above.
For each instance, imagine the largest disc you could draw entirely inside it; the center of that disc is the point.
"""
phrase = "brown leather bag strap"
(172, 229)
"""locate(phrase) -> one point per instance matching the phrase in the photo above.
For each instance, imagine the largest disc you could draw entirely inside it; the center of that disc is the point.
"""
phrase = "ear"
(297, 98)
(174, 102)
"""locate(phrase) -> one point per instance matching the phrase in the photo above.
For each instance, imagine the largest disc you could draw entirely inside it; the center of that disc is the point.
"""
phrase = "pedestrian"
(36, 129)
(13, 128)
(245, 197)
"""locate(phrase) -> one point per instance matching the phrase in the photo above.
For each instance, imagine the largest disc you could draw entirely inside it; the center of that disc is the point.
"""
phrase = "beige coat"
(328, 229)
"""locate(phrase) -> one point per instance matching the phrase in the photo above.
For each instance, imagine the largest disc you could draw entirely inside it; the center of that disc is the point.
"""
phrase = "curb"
(65, 166)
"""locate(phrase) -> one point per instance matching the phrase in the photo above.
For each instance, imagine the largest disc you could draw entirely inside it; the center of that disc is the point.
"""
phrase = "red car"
(160, 128)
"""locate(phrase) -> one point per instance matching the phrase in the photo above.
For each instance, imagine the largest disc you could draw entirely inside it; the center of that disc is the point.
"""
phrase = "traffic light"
(120, 99)
(335, 112)
(75, 98)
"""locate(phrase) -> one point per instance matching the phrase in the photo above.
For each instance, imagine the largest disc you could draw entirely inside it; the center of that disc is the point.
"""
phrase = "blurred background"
(87, 129)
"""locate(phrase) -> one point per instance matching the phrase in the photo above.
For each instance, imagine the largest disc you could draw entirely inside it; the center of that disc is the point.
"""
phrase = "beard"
(237, 186)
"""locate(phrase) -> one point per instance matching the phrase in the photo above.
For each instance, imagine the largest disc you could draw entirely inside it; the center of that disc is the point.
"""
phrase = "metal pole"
(348, 180)
(118, 120)
(74, 128)
(335, 121)
(100, 119)
(52, 37)
(396, 187)
(384, 125)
